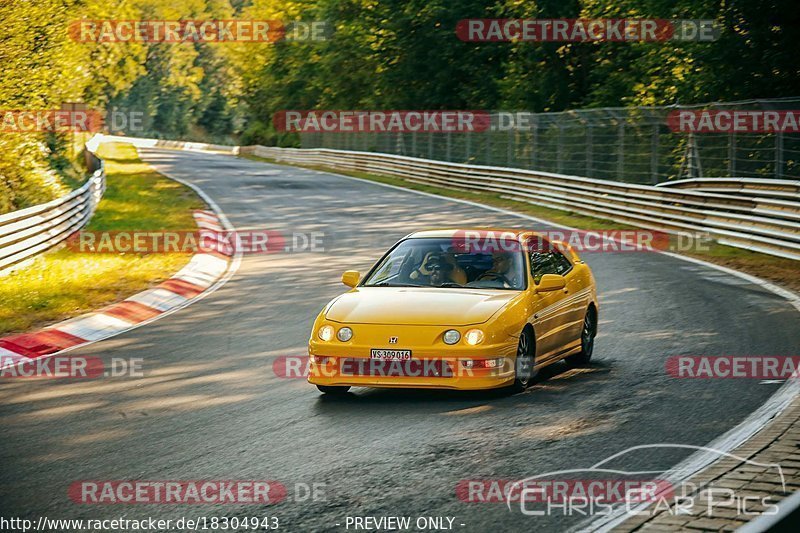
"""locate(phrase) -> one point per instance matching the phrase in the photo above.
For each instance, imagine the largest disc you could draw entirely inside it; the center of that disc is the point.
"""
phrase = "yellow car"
(457, 309)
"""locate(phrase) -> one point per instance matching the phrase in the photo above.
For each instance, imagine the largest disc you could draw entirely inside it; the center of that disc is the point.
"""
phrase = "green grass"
(785, 272)
(64, 283)
(138, 198)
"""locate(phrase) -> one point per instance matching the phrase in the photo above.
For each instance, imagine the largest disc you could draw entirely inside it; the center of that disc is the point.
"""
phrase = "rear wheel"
(588, 334)
(523, 366)
(331, 389)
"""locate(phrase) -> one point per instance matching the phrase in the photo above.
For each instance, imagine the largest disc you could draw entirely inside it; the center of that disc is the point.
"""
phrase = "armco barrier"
(31, 231)
(140, 142)
(28, 232)
(757, 187)
(766, 223)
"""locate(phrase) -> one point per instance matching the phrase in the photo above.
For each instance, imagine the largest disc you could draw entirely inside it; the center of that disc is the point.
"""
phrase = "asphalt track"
(211, 407)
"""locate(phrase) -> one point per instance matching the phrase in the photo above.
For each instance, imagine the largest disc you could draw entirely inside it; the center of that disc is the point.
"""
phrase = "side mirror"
(351, 278)
(551, 282)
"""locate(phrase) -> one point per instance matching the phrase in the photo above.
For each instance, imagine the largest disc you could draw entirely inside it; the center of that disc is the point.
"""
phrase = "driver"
(448, 270)
(440, 272)
(501, 270)
(423, 272)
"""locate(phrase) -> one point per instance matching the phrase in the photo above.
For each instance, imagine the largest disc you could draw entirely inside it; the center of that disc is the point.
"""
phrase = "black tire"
(588, 334)
(523, 365)
(332, 389)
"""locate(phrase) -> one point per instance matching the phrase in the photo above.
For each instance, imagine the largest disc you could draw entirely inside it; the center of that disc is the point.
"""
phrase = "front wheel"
(588, 334)
(331, 389)
(523, 366)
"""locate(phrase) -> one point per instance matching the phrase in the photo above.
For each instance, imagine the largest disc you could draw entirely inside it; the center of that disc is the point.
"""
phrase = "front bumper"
(434, 365)
(456, 382)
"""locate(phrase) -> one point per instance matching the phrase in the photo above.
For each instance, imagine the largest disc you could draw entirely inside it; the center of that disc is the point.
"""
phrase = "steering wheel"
(497, 276)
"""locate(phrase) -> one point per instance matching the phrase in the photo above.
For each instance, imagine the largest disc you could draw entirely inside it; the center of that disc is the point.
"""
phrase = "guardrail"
(764, 224)
(141, 142)
(758, 187)
(33, 230)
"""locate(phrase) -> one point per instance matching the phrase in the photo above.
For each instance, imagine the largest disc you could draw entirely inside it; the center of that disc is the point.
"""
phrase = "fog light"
(474, 336)
(344, 334)
(483, 363)
(451, 336)
(326, 333)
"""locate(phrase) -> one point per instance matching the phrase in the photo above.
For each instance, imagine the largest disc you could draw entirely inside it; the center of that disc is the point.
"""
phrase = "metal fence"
(633, 145)
(31, 231)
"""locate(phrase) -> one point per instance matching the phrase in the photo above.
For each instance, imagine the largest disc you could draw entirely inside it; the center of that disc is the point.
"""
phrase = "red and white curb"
(204, 273)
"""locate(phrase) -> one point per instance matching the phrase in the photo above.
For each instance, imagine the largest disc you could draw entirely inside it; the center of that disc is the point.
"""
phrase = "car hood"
(418, 306)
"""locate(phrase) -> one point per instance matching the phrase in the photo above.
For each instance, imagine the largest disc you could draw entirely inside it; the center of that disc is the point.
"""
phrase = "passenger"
(502, 270)
(457, 274)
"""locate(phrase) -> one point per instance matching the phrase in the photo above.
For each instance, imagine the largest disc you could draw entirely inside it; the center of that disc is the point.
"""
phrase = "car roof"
(482, 231)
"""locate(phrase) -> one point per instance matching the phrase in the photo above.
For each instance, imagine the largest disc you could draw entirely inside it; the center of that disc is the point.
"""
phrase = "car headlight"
(325, 333)
(474, 336)
(451, 336)
(344, 334)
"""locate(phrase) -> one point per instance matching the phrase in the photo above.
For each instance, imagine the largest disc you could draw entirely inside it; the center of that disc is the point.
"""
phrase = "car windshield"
(444, 262)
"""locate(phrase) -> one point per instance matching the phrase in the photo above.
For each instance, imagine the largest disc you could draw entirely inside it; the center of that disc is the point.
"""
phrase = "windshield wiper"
(450, 284)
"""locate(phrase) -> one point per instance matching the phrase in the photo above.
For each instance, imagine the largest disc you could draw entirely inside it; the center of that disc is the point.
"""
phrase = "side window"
(552, 262)
(562, 264)
(541, 264)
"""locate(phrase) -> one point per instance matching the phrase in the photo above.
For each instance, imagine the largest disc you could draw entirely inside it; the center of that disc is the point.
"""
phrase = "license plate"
(390, 355)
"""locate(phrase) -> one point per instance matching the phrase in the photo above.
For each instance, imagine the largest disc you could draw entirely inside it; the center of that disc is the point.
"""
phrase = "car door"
(575, 301)
(549, 316)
